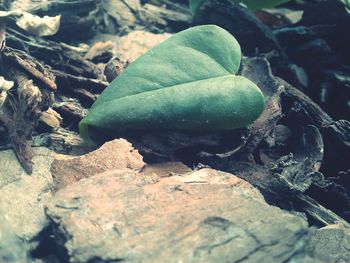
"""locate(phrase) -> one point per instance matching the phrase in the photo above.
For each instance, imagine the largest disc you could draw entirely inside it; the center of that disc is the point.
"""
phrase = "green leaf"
(185, 83)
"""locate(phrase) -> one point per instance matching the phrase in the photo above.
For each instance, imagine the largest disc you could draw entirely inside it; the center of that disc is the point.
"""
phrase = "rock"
(11, 170)
(166, 169)
(330, 244)
(201, 216)
(22, 197)
(11, 247)
(117, 154)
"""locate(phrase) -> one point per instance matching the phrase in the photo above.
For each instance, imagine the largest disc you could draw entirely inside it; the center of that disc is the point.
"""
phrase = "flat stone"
(116, 154)
(201, 216)
(330, 244)
(12, 249)
(22, 196)
(11, 170)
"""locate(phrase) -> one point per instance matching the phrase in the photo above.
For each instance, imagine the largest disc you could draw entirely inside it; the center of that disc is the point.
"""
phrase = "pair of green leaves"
(251, 4)
(185, 83)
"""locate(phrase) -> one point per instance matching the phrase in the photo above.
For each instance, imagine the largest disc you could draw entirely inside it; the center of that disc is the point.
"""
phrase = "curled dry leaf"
(40, 26)
(4, 15)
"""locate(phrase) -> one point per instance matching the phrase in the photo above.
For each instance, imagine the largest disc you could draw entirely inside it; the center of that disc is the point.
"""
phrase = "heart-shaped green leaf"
(185, 83)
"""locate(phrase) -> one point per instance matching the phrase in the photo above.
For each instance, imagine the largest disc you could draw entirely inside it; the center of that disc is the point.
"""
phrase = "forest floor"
(275, 191)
